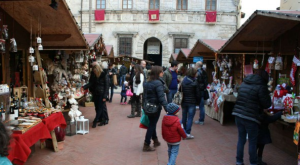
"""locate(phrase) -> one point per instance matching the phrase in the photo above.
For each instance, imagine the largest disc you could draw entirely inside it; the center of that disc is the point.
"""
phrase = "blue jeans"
(111, 92)
(171, 94)
(172, 152)
(246, 126)
(202, 110)
(122, 79)
(188, 113)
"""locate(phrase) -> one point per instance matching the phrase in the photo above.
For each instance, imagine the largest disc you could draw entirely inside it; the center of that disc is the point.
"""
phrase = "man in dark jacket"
(122, 73)
(253, 98)
(170, 78)
(202, 82)
(111, 72)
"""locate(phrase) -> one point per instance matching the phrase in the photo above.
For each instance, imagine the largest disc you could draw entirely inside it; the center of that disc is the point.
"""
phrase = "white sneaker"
(189, 136)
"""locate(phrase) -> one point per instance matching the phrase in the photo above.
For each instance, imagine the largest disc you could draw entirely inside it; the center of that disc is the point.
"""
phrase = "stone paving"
(121, 141)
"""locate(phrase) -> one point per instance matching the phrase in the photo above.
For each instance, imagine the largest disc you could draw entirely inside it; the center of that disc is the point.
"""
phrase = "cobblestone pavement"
(120, 143)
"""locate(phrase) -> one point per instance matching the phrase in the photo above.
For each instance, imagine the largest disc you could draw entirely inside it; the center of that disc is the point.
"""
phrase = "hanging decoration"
(35, 68)
(39, 39)
(278, 63)
(5, 32)
(255, 64)
(31, 50)
(293, 70)
(2, 45)
(13, 43)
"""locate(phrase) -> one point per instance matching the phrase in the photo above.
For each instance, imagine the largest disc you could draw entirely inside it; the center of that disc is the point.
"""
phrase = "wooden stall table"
(219, 114)
(21, 143)
(51, 122)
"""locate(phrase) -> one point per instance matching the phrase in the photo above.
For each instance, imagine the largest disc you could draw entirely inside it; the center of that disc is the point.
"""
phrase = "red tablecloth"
(55, 120)
(21, 143)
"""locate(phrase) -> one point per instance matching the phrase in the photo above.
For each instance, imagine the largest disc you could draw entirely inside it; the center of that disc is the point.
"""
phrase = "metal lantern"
(38, 40)
(35, 68)
(31, 50)
(40, 47)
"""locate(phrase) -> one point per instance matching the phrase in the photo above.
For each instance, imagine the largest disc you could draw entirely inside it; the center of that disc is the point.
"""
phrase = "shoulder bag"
(150, 109)
(177, 99)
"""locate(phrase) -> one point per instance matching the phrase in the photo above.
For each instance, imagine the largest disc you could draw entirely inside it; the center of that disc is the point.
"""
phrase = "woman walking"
(98, 86)
(189, 100)
(154, 92)
(138, 81)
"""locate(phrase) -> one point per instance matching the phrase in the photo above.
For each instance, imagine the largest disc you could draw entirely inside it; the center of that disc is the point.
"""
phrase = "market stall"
(279, 48)
(173, 57)
(27, 42)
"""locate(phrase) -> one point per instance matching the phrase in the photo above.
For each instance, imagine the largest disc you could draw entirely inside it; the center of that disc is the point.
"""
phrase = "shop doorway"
(153, 51)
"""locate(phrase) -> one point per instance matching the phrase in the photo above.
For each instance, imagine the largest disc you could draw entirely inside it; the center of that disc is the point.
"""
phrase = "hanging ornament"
(293, 70)
(35, 68)
(40, 47)
(31, 50)
(5, 32)
(2, 45)
(31, 59)
(278, 63)
(13, 45)
(255, 64)
(38, 40)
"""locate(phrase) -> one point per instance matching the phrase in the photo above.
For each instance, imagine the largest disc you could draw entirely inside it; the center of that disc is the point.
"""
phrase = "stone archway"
(156, 34)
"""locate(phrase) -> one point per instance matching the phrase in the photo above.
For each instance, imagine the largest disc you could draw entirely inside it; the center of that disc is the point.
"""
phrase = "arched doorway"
(153, 50)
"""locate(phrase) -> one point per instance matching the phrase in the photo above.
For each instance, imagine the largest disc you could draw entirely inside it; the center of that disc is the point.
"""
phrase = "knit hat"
(172, 108)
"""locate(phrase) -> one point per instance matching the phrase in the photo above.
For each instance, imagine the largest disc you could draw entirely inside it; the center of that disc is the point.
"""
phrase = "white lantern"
(31, 59)
(31, 50)
(38, 40)
(40, 47)
(35, 68)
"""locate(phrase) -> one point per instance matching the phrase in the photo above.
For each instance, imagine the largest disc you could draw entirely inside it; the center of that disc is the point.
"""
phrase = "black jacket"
(189, 91)
(114, 72)
(98, 86)
(253, 97)
(264, 136)
(202, 79)
(123, 70)
(154, 93)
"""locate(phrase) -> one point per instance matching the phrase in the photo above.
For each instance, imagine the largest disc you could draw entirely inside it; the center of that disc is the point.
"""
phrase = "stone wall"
(173, 23)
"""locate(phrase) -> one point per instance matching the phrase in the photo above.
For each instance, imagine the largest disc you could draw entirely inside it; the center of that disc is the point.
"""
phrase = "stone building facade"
(128, 29)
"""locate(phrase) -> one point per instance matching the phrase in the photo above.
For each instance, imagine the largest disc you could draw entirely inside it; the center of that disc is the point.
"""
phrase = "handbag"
(177, 99)
(129, 93)
(206, 95)
(150, 108)
(115, 82)
(144, 122)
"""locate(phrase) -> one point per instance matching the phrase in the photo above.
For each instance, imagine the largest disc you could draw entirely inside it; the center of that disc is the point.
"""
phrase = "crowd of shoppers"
(158, 87)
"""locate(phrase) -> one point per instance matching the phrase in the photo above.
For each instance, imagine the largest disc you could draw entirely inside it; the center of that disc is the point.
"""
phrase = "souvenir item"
(38, 40)
(2, 45)
(31, 50)
(278, 63)
(40, 47)
(255, 64)
(31, 59)
(35, 68)
(293, 70)
(13, 45)
(5, 32)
